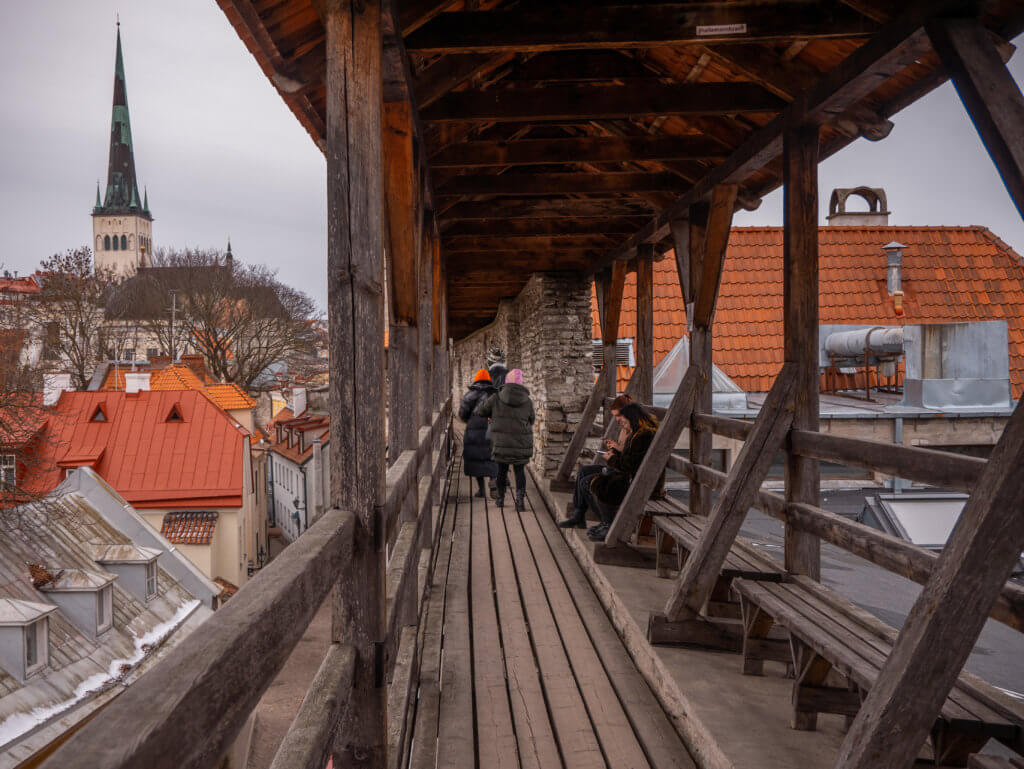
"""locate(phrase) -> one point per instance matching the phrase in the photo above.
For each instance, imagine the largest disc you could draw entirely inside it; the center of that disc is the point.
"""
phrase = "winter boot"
(520, 500)
(577, 520)
(499, 497)
(494, 488)
(481, 488)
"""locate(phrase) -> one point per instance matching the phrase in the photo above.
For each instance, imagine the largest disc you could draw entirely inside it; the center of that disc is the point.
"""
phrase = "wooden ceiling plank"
(519, 243)
(452, 71)
(588, 102)
(558, 184)
(582, 149)
(637, 26)
(511, 209)
(552, 227)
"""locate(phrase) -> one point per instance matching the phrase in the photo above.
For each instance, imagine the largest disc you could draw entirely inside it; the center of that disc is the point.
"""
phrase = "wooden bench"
(837, 651)
(985, 761)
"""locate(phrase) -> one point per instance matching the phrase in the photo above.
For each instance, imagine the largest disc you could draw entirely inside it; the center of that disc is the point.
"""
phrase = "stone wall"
(545, 331)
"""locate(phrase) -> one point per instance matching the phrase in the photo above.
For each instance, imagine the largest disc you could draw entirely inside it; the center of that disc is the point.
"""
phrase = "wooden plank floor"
(521, 668)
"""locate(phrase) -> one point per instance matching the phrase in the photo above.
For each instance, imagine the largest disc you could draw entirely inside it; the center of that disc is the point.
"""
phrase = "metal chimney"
(894, 267)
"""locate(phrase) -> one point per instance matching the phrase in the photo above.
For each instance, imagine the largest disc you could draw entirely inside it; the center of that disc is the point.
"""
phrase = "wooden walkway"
(520, 666)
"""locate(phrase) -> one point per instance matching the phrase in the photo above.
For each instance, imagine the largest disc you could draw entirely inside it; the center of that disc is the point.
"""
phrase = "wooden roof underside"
(559, 135)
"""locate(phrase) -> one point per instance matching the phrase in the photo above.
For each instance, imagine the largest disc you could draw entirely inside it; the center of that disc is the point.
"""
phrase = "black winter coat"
(511, 414)
(611, 487)
(476, 449)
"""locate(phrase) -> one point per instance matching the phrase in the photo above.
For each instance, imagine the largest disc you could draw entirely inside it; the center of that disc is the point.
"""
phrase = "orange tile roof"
(152, 462)
(189, 528)
(229, 395)
(177, 376)
(317, 424)
(950, 274)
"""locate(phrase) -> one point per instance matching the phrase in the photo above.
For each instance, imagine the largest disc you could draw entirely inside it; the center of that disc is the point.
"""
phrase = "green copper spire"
(122, 193)
(98, 203)
(145, 200)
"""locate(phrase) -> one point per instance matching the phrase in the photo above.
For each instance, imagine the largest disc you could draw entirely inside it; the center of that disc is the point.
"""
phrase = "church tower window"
(106, 242)
(124, 243)
(116, 242)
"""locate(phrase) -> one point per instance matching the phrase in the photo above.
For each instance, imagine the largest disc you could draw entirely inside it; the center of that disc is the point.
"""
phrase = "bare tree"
(239, 316)
(68, 314)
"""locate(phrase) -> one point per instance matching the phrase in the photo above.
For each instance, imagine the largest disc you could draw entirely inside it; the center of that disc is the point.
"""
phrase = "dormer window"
(85, 597)
(37, 648)
(99, 415)
(135, 567)
(24, 636)
(174, 415)
(105, 609)
(8, 470)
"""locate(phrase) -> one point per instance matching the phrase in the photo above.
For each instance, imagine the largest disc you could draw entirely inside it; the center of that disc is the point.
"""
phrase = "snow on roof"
(129, 553)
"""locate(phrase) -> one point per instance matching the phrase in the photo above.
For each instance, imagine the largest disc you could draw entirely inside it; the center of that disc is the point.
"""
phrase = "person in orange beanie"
(476, 448)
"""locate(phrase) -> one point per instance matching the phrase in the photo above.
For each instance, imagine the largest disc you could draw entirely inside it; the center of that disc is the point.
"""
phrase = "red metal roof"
(152, 462)
(950, 274)
(189, 528)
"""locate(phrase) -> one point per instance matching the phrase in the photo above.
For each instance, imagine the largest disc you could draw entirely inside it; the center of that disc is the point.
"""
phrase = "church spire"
(122, 193)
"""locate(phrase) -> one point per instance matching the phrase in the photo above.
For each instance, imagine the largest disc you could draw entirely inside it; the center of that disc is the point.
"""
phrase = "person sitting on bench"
(609, 488)
(581, 500)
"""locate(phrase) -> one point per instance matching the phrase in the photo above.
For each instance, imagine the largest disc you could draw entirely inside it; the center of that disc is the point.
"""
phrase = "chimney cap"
(893, 246)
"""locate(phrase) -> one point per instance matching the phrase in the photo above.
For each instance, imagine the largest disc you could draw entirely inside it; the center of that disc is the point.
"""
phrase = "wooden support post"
(716, 239)
(972, 569)
(610, 295)
(579, 437)
(698, 577)
(401, 187)
(355, 270)
(676, 419)
(439, 320)
(800, 323)
(426, 321)
(947, 617)
(989, 94)
(644, 345)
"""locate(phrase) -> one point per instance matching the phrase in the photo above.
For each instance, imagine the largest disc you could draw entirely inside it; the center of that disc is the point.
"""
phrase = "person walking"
(581, 499)
(511, 414)
(476, 448)
(496, 366)
(609, 488)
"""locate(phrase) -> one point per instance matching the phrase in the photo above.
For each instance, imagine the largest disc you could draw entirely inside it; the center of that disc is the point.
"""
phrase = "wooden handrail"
(730, 428)
(193, 704)
(889, 552)
(310, 736)
(935, 468)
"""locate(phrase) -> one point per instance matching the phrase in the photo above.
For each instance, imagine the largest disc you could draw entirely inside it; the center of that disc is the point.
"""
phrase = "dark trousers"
(581, 497)
(520, 471)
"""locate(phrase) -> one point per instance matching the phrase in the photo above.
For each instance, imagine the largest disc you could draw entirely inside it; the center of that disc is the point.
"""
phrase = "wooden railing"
(196, 700)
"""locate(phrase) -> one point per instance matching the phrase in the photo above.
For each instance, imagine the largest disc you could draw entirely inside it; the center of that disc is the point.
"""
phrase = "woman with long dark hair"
(609, 488)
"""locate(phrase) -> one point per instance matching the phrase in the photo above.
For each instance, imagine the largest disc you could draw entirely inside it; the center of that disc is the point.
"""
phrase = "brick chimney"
(877, 214)
(197, 363)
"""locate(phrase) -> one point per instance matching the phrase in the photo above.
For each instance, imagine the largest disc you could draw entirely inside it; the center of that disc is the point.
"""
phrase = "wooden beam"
(601, 102)
(438, 281)
(579, 436)
(426, 318)
(644, 342)
(699, 574)
(450, 72)
(989, 94)
(559, 184)
(581, 149)
(579, 208)
(355, 272)
(891, 49)
(550, 227)
(610, 306)
(947, 617)
(416, 13)
(486, 244)
(723, 203)
(680, 229)
(400, 187)
(636, 26)
(800, 328)
(676, 418)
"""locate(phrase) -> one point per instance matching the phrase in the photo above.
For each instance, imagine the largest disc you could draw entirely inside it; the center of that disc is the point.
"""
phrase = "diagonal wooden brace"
(579, 437)
(697, 580)
(676, 419)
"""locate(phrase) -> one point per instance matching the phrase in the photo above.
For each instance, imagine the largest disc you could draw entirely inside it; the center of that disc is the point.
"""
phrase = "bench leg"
(723, 635)
(952, 748)
(811, 695)
(757, 646)
(665, 547)
(720, 603)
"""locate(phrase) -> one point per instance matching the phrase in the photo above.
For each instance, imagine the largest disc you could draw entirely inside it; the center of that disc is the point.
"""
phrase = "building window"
(106, 242)
(150, 580)
(116, 243)
(129, 353)
(104, 609)
(152, 352)
(35, 645)
(124, 243)
(8, 470)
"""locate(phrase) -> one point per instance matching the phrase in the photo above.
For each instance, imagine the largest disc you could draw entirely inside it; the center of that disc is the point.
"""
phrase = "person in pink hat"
(512, 416)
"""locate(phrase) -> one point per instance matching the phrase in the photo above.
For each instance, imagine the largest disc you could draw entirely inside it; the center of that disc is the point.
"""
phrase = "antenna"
(174, 314)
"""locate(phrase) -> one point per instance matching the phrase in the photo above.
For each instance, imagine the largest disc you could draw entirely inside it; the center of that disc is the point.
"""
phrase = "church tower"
(121, 222)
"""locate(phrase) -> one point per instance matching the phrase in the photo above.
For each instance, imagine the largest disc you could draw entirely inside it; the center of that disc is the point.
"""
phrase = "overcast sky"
(221, 155)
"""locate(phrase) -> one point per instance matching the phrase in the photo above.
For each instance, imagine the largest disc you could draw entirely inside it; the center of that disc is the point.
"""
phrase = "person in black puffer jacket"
(476, 449)
(511, 415)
